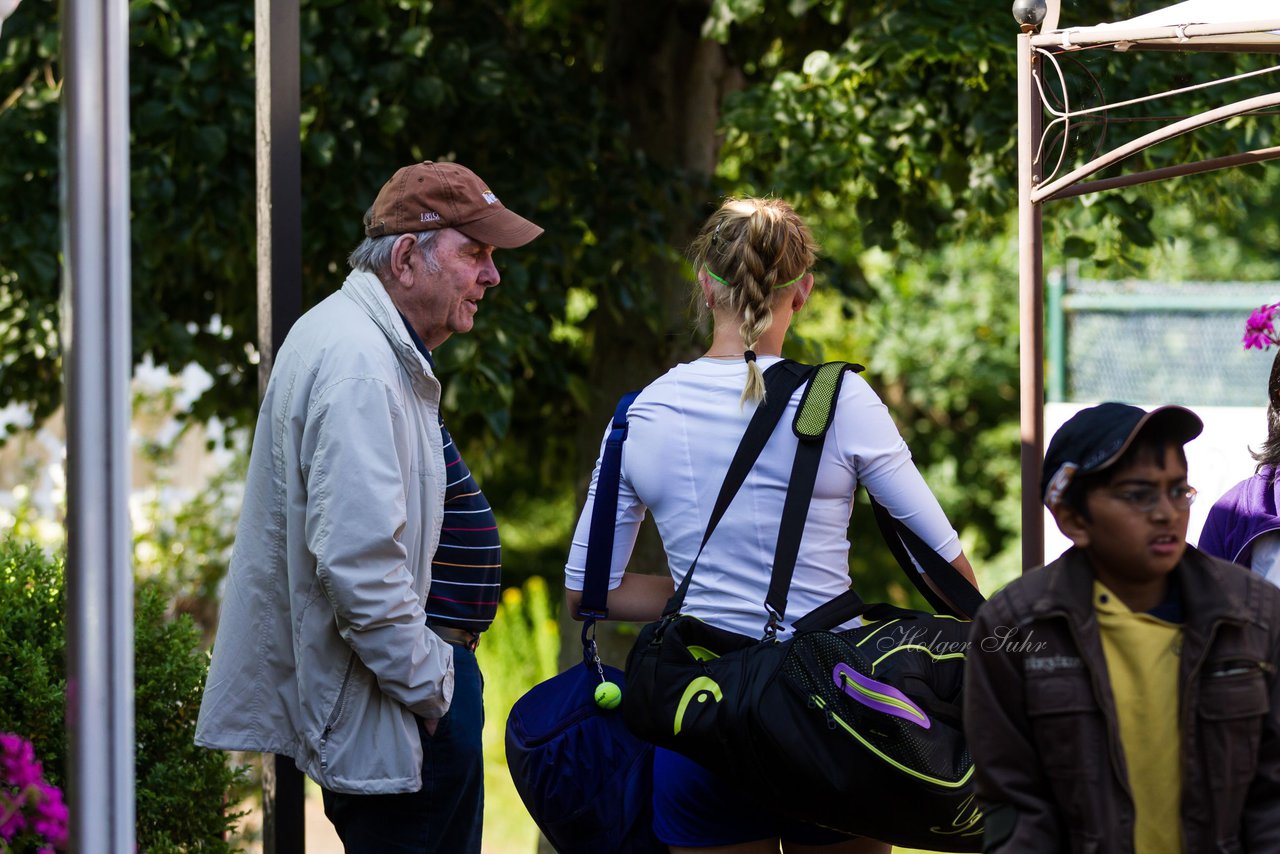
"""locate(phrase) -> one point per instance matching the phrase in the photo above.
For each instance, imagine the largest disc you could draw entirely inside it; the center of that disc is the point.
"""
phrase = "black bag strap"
(780, 382)
(916, 559)
(959, 597)
(604, 518)
(813, 419)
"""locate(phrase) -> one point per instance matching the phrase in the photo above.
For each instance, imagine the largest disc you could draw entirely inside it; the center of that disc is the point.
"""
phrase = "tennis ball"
(608, 695)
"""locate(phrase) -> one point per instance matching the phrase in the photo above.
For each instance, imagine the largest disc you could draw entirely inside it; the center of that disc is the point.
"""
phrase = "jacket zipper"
(1114, 747)
(337, 710)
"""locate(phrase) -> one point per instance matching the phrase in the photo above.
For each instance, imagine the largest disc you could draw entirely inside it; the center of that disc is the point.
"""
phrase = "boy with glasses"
(1125, 698)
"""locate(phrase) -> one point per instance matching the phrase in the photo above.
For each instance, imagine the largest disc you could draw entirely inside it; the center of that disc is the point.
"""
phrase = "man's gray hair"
(373, 255)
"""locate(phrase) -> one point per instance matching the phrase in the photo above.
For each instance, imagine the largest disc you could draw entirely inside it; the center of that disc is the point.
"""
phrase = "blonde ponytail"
(754, 389)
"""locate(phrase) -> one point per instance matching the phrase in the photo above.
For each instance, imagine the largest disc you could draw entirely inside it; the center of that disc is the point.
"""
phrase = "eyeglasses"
(1144, 499)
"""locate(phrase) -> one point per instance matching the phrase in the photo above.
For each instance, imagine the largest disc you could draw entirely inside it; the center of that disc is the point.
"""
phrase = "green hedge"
(183, 800)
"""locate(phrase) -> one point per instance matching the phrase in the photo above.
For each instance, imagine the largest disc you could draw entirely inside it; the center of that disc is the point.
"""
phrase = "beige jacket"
(323, 652)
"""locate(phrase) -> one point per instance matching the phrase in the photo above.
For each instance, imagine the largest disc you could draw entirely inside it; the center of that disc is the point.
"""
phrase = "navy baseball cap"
(1096, 437)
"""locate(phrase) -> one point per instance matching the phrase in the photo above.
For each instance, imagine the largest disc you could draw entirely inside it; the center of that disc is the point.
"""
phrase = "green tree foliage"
(182, 789)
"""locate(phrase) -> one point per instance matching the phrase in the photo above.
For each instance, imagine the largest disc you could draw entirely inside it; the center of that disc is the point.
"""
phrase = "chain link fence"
(1155, 342)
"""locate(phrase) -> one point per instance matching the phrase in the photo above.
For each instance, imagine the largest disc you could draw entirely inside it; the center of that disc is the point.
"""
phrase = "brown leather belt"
(464, 638)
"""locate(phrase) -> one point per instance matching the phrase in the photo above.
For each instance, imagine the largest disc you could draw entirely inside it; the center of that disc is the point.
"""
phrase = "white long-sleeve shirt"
(684, 430)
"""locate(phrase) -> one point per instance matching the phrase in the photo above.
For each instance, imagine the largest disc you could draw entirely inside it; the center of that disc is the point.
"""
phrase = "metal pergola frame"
(1148, 32)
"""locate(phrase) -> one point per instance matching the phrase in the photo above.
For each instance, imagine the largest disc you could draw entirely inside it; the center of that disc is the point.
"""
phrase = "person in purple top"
(1243, 526)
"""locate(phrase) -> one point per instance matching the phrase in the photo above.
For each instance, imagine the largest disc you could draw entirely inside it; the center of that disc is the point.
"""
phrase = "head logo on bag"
(700, 689)
(878, 695)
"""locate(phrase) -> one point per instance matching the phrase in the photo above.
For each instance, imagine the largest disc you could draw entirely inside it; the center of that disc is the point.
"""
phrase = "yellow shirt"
(1142, 654)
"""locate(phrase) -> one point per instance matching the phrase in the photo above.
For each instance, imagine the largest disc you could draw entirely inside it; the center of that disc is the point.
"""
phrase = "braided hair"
(752, 248)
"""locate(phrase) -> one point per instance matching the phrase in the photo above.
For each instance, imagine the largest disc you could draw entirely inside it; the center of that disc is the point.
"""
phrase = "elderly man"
(367, 560)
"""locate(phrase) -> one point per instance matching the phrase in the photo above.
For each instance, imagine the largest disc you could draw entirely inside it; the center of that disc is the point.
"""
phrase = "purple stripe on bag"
(863, 689)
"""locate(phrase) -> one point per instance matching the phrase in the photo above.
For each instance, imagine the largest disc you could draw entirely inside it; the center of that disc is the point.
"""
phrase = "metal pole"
(1031, 306)
(279, 202)
(96, 338)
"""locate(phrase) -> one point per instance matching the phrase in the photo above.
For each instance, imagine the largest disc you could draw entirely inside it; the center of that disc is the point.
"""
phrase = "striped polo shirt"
(466, 570)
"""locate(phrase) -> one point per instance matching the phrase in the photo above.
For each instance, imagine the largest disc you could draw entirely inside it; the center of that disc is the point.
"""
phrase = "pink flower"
(51, 815)
(18, 761)
(1259, 330)
(28, 805)
(13, 824)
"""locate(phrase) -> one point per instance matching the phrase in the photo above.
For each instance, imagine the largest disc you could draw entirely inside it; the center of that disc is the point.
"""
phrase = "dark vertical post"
(279, 155)
(279, 191)
(98, 361)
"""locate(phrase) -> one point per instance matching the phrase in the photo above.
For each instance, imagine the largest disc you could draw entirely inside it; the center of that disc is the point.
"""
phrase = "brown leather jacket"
(1041, 720)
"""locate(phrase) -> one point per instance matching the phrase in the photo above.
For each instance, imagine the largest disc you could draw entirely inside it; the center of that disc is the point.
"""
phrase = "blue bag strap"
(604, 518)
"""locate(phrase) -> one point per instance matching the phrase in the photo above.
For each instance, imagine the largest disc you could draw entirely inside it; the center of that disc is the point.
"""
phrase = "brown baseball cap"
(428, 195)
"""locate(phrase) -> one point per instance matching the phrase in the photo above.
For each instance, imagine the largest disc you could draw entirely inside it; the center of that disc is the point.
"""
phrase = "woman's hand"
(961, 563)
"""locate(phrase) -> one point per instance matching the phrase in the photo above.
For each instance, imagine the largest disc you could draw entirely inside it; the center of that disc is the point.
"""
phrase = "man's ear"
(1072, 523)
(403, 259)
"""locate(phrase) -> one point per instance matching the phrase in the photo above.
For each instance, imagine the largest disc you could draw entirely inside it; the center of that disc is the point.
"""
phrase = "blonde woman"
(753, 259)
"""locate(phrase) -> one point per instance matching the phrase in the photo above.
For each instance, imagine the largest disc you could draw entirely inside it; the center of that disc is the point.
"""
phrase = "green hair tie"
(775, 287)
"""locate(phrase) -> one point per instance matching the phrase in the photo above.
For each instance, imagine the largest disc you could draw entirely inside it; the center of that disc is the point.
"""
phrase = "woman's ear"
(708, 295)
(1072, 523)
(804, 288)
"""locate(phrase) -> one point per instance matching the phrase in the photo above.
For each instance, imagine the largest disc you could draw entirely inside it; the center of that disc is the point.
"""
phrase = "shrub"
(182, 790)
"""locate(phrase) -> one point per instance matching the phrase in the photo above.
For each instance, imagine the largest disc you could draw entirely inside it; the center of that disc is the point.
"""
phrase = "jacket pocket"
(335, 714)
(1233, 702)
(1067, 725)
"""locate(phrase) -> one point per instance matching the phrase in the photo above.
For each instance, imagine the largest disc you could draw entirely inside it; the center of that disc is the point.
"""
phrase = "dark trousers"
(446, 815)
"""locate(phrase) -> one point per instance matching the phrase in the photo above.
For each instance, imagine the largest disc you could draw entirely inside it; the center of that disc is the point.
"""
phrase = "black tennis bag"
(859, 730)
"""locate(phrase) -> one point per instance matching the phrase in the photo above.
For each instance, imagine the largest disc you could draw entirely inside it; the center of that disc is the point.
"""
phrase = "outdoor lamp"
(1029, 13)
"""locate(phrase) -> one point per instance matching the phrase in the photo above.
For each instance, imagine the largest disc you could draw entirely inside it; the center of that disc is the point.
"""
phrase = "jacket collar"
(368, 292)
(1257, 505)
(1210, 596)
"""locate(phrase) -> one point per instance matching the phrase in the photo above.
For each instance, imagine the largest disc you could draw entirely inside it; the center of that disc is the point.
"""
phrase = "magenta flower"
(51, 815)
(18, 761)
(32, 813)
(11, 824)
(1259, 329)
